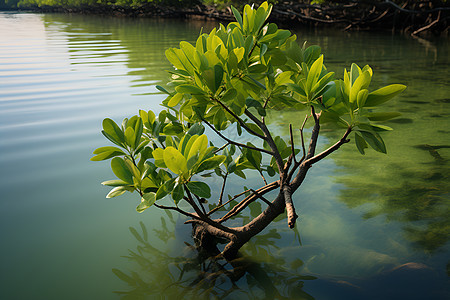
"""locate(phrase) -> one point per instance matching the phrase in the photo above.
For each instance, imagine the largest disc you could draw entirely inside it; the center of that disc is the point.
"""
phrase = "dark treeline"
(411, 16)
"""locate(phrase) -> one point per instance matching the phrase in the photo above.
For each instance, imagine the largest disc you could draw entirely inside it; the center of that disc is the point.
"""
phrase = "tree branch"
(261, 197)
(292, 144)
(223, 188)
(177, 210)
(220, 206)
(330, 150)
(238, 119)
(268, 138)
(247, 200)
(190, 200)
(313, 159)
(233, 142)
(290, 209)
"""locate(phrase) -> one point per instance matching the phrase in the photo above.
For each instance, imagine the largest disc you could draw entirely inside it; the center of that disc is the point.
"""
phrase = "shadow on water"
(185, 273)
(259, 273)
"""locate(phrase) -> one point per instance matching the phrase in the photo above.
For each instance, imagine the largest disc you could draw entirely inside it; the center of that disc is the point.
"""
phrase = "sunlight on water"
(372, 227)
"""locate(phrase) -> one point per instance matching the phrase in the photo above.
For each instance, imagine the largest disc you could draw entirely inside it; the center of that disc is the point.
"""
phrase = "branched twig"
(203, 217)
(221, 148)
(238, 119)
(262, 176)
(313, 159)
(249, 199)
(292, 144)
(268, 138)
(261, 197)
(223, 189)
(177, 209)
(190, 200)
(290, 210)
(233, 142)
(233, 198)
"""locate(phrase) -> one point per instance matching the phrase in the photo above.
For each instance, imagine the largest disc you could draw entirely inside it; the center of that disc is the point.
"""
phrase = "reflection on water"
(372, 227)
(184, 273)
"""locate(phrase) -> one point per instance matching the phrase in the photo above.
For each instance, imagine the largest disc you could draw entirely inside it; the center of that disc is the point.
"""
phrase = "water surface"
(371, 227)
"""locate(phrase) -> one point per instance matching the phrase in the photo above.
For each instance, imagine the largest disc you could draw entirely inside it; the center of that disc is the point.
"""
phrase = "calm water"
(371, 227)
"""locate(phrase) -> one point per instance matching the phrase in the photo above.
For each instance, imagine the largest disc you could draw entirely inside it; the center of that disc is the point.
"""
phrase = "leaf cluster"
(232, 79)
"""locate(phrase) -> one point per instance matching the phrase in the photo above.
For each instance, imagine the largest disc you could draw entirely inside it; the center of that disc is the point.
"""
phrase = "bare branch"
(177, 209)
(223, 188)
(233, 142)
(268, 138)
(330, 150)
(221, 148)
(190, 200)
(249, 199)
(261, 197)
(290, 210)
(297, 164)
(204, 217)
(313, 159)
(238, 119)
(233, 198)
(262, 176)
(292, 143)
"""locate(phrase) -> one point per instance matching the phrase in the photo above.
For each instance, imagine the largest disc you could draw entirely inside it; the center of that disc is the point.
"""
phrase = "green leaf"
(237, 15)
(374, 140)
(107, 149)
(175, 100)
(158, 155)
(160, 88)
(314, 74)
(211, 163)
(196, 129)
(362, 97)
(113, 139)
(354, 73)
(130, 137)
(189, 89)
(270, 171)
(198, 188)
(361, 83)
(117, 191)
(259, 84)
(115, 182)
(172, 129)
(165, 189)
(106, 155)
(121, 170)
(178, 193)
(360, 143)
(213, 77)
(111, 128)
(249, 102)
(147, 200)
(192, 161)
(198, 146)
(384, 94)
(175, 161)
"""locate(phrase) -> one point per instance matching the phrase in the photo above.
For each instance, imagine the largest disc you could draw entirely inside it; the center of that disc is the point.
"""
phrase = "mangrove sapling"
(236, 77)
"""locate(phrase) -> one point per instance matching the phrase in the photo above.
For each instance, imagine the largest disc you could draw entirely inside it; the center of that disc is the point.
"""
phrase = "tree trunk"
(207, 236)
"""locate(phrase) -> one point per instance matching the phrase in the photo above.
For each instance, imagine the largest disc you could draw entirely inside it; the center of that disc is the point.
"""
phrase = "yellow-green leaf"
(175, 161)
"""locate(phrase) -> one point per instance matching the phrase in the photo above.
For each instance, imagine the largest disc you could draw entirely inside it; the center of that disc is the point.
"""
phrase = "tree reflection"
(186, 273)
(414, 192)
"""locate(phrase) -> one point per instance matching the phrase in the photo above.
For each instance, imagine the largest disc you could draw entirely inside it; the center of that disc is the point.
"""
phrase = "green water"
(370, 227)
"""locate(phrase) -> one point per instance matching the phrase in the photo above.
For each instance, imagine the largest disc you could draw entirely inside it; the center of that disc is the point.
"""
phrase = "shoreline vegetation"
(415, 17)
